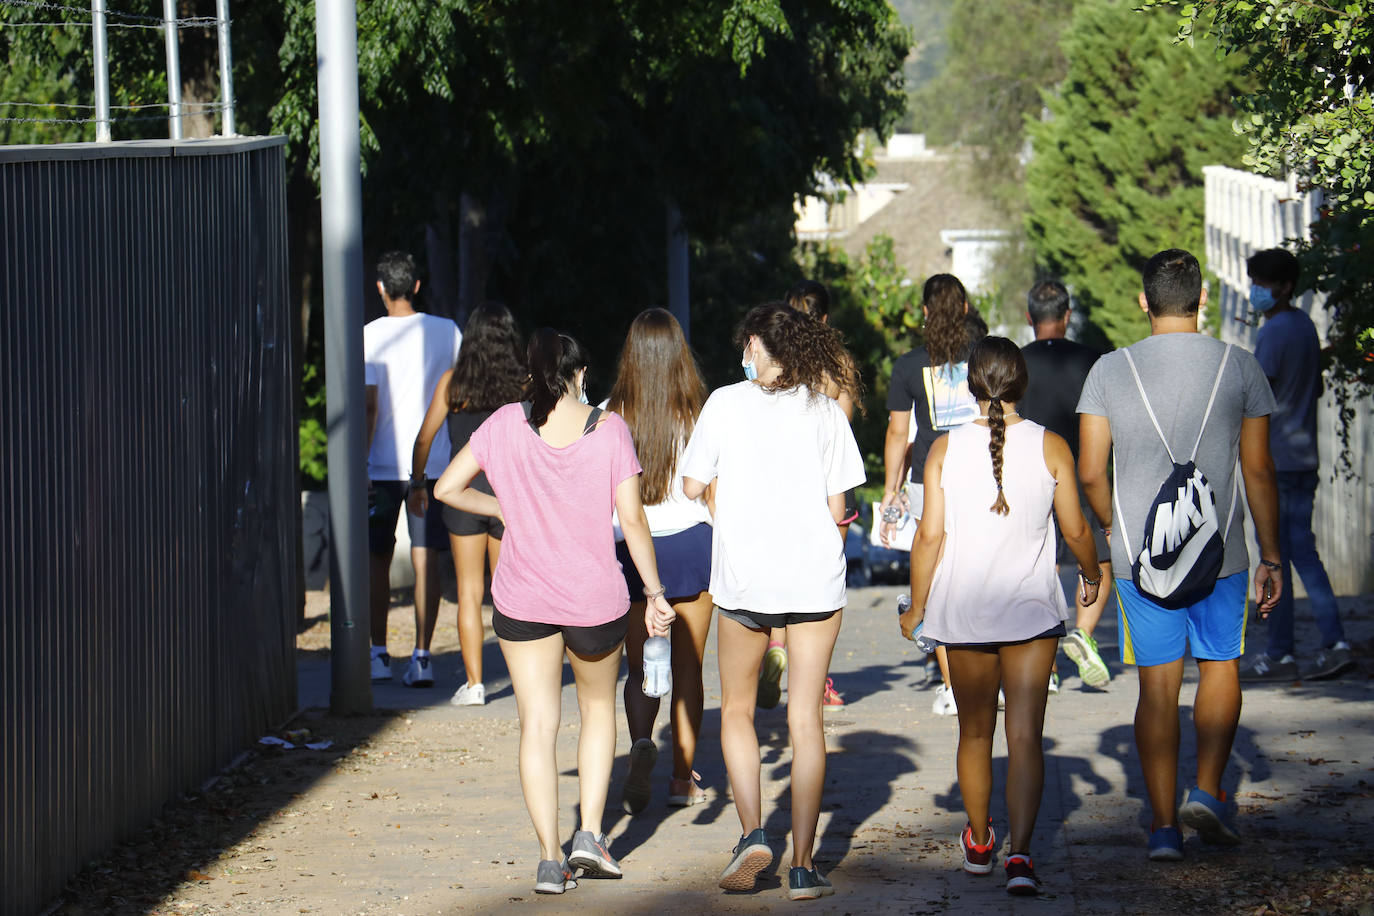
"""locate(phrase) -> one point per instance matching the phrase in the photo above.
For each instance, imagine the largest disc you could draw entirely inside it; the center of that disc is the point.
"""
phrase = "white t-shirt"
(776, 457)
(676, 513)
(404, 358)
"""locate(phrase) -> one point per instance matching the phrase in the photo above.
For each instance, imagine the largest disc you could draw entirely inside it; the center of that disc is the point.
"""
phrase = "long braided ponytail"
(997, 374)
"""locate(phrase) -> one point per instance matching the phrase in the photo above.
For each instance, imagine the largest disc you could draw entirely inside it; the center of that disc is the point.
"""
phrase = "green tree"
(1309, 112)
(1116, 170)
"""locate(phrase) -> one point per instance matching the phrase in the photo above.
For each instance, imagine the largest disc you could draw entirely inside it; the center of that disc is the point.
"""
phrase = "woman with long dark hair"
(659, 392)
(928, 395)
(558, 467)
(782, 456)
(489, 372)
(984, 580)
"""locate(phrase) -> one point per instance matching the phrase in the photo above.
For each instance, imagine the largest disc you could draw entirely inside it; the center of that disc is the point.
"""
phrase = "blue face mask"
(1262, 298)
(750, 373)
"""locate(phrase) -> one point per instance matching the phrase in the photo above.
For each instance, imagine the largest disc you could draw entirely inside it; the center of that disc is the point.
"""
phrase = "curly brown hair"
(996, 374)
(490, 370)
(810, 352)
(947, 336)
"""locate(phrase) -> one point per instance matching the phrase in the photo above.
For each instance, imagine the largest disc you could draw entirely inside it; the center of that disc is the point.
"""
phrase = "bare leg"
(942, 659)
(640, 710)
(975, 674)
(379, 594)
(469, 566)
(1216, 714)
(811, 645)
(1025, 676)
(1156, 738)
(595, 676)
(536, 674)
(741, 650)
(690, 630)
(426, 595)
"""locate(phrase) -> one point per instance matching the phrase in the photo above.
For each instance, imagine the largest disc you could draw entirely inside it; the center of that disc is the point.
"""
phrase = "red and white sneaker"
(978, 859)
(831, 697)
(1021, 878)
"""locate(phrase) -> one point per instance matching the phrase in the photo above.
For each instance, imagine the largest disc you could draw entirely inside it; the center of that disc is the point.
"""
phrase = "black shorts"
(461, 524)
(758, 621)
(851, 507)
(1055, 632)
(597, 640)
(385, 499)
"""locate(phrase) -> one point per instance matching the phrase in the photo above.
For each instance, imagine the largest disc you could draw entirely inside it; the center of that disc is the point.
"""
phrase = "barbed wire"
(139, 19)
(136, 107)
(210, 108)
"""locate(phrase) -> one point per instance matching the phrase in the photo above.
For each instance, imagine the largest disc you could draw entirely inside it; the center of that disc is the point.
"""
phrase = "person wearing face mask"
(1290, 355)
(782, 455)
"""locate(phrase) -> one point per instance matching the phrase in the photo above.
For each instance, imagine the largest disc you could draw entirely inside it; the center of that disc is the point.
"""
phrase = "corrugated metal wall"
(148, 486)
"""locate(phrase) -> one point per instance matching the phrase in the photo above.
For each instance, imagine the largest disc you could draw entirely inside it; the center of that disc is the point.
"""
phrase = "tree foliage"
(1309, 111)
(1116, 173)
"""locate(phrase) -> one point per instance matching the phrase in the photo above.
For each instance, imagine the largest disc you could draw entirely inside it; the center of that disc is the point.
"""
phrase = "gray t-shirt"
(1177, 371)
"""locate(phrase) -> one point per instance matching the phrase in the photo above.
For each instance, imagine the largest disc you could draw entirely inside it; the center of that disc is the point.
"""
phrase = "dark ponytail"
(997, 373)
(554, 360)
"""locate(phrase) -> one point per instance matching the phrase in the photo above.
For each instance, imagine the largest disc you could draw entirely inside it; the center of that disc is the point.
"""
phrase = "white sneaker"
(420, 673)
(470, 695)
(381, 667)
(944, 702)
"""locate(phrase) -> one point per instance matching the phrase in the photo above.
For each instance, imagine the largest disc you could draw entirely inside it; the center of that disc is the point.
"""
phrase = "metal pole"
(169, 33)
(336, 44)
(100, 51)
(679, 302)
(226, 70)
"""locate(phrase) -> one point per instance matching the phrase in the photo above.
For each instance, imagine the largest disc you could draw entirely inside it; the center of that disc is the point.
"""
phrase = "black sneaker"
(807, 884)
(752, 854)
(591, 853)
(1262, 668)
(1021, 878)
(554, 877)
(1331, 662)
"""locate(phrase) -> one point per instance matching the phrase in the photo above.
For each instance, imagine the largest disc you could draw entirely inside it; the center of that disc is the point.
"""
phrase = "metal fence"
(148, 460)
(1247, 213)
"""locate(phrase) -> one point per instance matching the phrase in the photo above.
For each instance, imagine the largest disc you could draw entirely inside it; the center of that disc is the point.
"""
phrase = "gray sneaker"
(1263, 668)
(591, 852)
(1331, 662)
(554, 877)
(751, 855)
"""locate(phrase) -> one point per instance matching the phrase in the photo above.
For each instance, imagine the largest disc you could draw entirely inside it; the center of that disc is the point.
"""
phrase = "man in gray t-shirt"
(1178, 368)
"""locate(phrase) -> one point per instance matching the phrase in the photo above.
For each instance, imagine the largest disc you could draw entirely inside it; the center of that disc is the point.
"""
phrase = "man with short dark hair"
(1290, 355)
(405, 354)
(1159, 388)
(1057, 368)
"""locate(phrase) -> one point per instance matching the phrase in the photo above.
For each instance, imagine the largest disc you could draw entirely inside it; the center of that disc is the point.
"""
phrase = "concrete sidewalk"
(418, 809)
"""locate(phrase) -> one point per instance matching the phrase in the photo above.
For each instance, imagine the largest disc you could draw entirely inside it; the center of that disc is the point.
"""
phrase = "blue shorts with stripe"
(1213, 628)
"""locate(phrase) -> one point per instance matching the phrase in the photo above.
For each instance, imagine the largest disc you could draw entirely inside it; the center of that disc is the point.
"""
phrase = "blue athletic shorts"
(1213, 628)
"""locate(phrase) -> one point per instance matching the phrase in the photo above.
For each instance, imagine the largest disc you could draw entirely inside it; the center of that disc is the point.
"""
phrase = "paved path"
(1301, 775)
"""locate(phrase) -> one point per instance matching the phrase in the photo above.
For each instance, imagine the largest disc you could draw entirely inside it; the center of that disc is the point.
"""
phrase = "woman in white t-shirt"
(984, 580)
(658, 391)
(782, 456)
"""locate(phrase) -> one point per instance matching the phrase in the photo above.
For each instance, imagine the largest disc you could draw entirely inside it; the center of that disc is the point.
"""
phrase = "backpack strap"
(592, 419)
(1148, 409)
(1221, 370)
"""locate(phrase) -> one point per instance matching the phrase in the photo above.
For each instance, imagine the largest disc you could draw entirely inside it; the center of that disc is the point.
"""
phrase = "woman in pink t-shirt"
(558, 467)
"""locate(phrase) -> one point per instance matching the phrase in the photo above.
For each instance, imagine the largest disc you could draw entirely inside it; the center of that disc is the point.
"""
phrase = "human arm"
(1094, 450)
(370, 412)
(658, 613)
(894, 465)
(419, 458)
(1262, 495)
(930, 536)
(452, 486)
(1072, 525)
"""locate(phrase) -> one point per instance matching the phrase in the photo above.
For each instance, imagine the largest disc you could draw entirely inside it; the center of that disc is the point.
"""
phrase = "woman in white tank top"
(983, 580)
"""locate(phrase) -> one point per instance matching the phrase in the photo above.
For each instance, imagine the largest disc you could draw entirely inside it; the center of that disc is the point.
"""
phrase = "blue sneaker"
(807, 884)
(1166, 845)
(751, 855)
(1205, 814)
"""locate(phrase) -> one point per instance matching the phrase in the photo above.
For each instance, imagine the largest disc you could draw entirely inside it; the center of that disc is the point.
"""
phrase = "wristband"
(1272, 565)
(1087, 581)
(658, 593)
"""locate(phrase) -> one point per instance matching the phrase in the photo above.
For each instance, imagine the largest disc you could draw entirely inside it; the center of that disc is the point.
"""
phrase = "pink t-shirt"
(558, 561)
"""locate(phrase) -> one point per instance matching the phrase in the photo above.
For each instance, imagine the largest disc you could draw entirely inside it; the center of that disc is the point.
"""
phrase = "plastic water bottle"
(904, 605)
(658, 666)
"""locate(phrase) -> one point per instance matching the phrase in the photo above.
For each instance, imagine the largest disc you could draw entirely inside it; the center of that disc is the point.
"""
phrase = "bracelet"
(655, 594)
(1087, 581)
(1272, 565)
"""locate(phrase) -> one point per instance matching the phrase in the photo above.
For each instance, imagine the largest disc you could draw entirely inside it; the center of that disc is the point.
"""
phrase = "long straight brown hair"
(659, 392)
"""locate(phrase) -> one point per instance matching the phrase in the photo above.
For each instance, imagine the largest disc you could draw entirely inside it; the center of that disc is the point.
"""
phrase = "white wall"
(1247, 213)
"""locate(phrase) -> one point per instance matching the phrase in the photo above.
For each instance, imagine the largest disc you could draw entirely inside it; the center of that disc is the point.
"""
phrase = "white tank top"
(996, 578)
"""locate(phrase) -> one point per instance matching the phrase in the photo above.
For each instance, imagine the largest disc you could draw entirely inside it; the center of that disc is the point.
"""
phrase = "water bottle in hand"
(904, 605)
(658, 666)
